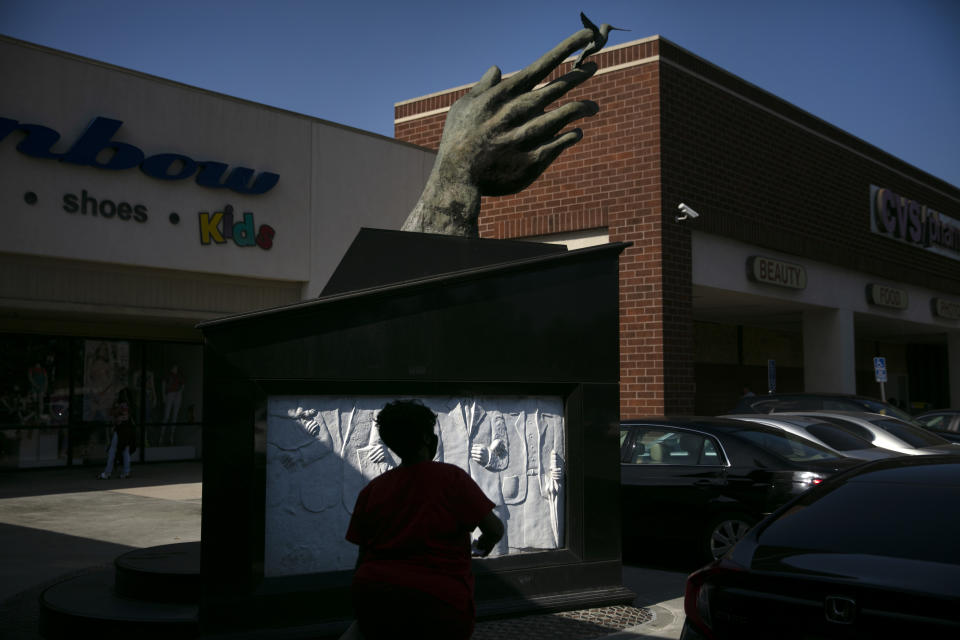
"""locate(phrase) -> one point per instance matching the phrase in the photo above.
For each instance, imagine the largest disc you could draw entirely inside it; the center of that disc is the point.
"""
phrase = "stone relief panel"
(322, 450)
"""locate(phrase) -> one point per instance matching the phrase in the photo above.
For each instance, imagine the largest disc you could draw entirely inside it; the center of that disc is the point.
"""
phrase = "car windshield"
(913, 522)
(786, 445)
(914, 436)
(762, 404)
(885, 409)
(837, 437)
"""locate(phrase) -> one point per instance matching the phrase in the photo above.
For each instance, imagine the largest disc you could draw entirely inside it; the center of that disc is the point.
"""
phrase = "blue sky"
(887, 71)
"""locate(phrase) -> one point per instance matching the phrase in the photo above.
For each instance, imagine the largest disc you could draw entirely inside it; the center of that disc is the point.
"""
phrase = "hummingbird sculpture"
(600, 35)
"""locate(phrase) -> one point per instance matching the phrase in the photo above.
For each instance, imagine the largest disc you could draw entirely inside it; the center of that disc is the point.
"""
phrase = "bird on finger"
(600, 35)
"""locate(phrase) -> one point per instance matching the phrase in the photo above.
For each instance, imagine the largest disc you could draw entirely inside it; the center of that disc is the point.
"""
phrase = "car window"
(840, 404)
(711, 453)
(777, 404)
(885, 409)
(786, 445)
(914, 436)
(936, 421)
(803, 403)
(855, 429)
(656, 445)
(837, 438)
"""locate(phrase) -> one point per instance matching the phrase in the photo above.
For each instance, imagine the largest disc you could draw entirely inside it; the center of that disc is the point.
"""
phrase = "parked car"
(943, 422)
(830, 435)
(870, 553)
(780, 402)
(887, 432)
(706, 481)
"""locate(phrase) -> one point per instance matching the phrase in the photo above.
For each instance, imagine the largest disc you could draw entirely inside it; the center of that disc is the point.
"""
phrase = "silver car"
(833, 436)
(886, 431)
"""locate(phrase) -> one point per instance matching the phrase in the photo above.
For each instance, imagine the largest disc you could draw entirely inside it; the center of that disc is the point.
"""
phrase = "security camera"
(687, 212)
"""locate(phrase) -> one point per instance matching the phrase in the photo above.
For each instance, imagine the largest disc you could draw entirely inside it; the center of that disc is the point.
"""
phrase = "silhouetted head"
(405, 427)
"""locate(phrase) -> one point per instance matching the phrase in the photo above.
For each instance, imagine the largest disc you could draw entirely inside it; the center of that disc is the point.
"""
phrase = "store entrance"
(929, 387)
(733, 359)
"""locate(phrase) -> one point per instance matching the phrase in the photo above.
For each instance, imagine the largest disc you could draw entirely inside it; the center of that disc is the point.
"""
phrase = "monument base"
(163, 454)
(513, 345)
(149, 593)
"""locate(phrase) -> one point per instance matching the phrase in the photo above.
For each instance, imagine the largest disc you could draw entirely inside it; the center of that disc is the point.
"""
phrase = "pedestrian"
(413, 525)
(123, 441)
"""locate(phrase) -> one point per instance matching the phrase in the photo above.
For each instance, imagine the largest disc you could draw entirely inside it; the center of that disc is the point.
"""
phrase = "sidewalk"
(660, 592)
(55, 523)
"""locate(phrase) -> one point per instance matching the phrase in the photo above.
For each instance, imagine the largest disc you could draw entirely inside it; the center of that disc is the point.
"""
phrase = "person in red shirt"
(413, 526)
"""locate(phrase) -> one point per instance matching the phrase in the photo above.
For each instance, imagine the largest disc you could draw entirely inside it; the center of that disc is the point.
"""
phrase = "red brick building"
(814, 251)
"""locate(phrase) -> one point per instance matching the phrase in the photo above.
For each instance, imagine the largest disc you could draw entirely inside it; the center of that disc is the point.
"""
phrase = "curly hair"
(404, 424)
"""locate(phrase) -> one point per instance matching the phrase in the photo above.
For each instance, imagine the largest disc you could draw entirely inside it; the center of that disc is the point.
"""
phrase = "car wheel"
(725, 531)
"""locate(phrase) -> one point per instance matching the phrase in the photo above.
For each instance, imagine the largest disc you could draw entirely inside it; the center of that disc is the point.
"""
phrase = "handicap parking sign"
(880, 369)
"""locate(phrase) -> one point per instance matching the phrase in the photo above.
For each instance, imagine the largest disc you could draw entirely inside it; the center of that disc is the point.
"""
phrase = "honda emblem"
(839, 609)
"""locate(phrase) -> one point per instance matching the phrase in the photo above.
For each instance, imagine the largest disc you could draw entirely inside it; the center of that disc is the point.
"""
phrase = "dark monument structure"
(518, 356)
(514, 345)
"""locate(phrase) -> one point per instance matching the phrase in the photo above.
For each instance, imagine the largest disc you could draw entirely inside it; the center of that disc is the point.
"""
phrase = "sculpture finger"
(544, 155)
(545, 127)
(489, 79)
(529, 77)
(516, 169)
(559, 87)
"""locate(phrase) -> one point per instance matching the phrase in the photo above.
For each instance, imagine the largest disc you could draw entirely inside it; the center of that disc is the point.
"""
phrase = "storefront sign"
(947, 309)
(219, 226)
(89, 148)
(884, 296)
(909, 221)
(776, 272)
(86, 204)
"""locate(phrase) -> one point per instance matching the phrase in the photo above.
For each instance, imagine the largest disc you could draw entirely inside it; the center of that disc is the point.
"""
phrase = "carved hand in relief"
(376, 452)
(556, 473)
(493, 457)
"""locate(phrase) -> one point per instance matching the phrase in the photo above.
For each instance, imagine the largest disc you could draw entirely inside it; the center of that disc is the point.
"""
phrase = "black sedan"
(706, 481)
(943, 422)
(871, 553)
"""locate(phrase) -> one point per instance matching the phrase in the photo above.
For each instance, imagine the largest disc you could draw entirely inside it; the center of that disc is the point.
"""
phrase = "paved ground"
(56, 523)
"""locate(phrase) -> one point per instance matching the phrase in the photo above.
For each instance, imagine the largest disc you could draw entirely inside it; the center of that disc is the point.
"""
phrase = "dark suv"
(781, 402)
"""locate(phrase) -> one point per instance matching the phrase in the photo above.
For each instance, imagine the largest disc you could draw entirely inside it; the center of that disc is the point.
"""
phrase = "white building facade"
(134, 207)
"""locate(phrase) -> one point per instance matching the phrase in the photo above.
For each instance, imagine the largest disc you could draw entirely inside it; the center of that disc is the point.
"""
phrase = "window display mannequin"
(39, 380)
(172, 395)
(146, 380)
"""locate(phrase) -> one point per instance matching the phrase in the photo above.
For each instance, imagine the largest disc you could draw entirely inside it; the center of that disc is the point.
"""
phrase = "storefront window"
(57, 395)
(106, 369)
(34, 399)
(173, 399)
